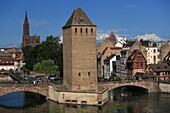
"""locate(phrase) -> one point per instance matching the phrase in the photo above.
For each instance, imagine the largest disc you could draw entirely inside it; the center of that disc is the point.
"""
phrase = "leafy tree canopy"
(46, 66)
(51, 48)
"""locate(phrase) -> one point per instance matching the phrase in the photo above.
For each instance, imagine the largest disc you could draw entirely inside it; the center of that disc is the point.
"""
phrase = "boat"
(123, 95)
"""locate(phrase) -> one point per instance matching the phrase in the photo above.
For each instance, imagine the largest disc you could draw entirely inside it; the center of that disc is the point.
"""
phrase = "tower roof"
(26, 18)
(112, 37)
(78, 17)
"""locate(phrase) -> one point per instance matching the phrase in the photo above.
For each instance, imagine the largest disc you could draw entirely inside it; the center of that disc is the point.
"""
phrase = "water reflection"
(21, 100)
(135, 103)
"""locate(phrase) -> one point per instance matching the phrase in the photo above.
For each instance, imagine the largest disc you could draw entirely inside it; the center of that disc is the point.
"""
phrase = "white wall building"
(153, 55)
(9, 63)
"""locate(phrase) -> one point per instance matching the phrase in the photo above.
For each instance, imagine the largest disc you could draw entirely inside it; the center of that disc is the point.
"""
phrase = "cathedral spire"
(26, 18)
(26, 25)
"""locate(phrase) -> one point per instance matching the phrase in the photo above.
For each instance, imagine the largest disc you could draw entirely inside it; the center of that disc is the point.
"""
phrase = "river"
(137, 101)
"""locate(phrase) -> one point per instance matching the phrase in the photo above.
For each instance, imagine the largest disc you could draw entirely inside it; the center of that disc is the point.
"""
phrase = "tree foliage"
(46, 66)
(51, 48)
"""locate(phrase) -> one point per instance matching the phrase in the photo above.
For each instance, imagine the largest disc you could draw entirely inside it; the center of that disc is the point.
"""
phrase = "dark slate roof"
(109, 58)
(167, 57)
(145, 43)
(129, 44)
(162, 67)
(133, 55)
(78, 17)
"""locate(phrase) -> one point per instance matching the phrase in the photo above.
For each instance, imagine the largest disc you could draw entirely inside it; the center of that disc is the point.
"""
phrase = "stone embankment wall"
(165, 88)
(72, 97)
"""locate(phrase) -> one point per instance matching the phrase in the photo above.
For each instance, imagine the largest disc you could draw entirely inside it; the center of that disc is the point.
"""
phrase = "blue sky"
(126, 18)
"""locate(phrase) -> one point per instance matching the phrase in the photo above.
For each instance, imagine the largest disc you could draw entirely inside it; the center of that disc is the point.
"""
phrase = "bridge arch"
(142, 84)
(132, 86)
(6, 89)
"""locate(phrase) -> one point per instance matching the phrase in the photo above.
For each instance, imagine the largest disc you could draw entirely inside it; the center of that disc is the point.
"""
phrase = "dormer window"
(81, 20)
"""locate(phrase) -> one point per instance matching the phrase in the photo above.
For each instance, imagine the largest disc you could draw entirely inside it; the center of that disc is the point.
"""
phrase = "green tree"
(51, 48)
(30, 56)
(47, 67)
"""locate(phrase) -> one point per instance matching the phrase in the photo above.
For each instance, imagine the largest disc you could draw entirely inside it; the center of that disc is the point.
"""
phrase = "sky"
(126, 18)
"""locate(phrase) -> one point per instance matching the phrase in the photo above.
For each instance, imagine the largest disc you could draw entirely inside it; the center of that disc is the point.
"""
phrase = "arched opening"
(86, 30)
(81, 30)
(75, 30)
(22, 99)
(91, 30)
(128, 92)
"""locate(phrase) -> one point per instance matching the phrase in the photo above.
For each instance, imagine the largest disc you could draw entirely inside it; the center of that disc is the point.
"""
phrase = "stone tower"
(79, 53)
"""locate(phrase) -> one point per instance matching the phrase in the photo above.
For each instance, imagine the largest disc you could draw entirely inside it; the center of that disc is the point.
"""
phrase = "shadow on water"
(125, 93)
(21, 100)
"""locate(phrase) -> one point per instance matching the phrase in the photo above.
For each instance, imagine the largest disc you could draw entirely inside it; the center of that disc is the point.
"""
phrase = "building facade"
(111, 66)
(136, 62)
(164, 50)
(11, 58)
(127, 50)
(160, 71)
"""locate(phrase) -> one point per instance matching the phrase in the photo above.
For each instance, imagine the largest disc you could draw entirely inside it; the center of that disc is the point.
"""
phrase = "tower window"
(88, 73)
(91, 30)
(79, 74)
(75, 30)
(91, 84)
(86, 30)
(81, 30)
(78, 87)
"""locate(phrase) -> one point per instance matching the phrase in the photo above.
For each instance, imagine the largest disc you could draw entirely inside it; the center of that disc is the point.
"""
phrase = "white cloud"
(102, 34)
(61, 39)
(151, 37)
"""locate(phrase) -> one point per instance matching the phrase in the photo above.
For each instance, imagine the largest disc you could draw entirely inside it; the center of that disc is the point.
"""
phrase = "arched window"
(81, 30)
(91, 30)
(75, 30)
(79, 74)
(86, 30)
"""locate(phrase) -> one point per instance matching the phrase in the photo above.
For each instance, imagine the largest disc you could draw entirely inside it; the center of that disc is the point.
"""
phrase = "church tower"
(26, 32)
(79, 53)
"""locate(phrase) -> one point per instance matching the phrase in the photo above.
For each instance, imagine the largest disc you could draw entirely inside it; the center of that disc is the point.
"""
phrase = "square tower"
(79, 53)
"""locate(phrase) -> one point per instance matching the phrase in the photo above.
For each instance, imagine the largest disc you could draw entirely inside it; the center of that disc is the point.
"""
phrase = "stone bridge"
(9, 88)
(151, 86)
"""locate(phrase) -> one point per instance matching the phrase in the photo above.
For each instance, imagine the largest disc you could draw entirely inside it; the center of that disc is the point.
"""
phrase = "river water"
(137, 101)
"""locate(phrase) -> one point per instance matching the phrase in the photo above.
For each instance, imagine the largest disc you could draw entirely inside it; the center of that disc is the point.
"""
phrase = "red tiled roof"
(7, 61)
